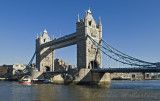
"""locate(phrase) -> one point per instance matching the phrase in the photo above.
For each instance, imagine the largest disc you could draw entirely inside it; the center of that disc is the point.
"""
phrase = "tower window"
(90, 23)
(44, 40)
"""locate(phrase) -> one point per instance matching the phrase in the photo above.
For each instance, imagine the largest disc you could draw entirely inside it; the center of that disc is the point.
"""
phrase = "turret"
(78, 21)
(45, 37)
(100, 24)
(37, 36)
(45, 31)
(89, 11)
(86, 19)
(100, 28)
(78, 18)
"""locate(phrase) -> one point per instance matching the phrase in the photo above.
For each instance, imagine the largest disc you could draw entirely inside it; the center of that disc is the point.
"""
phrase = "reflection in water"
(67, 92)
(119, 91)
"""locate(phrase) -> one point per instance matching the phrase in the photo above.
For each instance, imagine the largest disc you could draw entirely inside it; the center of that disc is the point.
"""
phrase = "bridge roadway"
(127, 70)
(55, 72)
(113, 70)
(49, 74)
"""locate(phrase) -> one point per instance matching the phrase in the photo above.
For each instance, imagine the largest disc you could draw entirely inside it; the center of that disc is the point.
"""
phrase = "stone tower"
(88, 55)
(45, 56)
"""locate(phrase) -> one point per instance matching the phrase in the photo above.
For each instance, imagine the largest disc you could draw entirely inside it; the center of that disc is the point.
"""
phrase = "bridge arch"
(47, 68)
(93, 65)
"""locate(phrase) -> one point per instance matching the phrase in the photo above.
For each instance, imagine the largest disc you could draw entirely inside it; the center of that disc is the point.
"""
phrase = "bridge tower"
(45, 56)
(88, 55)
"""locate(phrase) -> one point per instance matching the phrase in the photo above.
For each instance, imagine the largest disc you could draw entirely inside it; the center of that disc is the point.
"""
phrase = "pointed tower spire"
(78, 18)
(45, 31)
(53, 37)
(89, 11)
(40, 34)
(100, 21)
(37, 35)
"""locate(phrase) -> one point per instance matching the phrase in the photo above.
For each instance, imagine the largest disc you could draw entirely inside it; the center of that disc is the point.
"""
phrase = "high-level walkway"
(61, 42)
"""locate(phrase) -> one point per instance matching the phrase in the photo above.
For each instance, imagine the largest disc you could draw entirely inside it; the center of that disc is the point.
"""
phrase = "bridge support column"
(101, 78)
(85, 76)
(45, 56)
(146, 76)
(88, 55)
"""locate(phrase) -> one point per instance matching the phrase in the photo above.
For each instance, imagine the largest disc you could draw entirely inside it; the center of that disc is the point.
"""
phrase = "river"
(147, 90)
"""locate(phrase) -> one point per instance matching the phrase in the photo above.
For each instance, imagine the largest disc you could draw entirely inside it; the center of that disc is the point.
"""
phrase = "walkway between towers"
(61, 42)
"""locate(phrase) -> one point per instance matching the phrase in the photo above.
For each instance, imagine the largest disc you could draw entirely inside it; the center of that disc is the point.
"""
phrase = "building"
(60, 65)
(18, 67)
(133, 76)
(6, 71)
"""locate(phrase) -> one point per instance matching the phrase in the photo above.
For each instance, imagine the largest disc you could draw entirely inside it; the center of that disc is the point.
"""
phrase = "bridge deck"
(55, 72)
(113, 70)
(127, 70)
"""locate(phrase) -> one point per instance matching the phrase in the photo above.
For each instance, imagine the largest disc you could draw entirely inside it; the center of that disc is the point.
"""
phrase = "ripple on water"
(118, 91)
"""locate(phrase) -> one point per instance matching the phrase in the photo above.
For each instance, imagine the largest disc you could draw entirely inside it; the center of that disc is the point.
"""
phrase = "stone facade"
(88, 55)
(45, 56)
(18, 67)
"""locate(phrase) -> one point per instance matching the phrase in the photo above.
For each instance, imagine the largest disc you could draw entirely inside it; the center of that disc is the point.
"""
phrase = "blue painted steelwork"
(127, 70)
(119, 56)
(29, 64)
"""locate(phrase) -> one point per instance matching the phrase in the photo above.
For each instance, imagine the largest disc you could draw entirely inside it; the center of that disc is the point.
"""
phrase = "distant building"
(6, 71)
(18, 67)
(136, 76)
(71, 66)
(60, 65)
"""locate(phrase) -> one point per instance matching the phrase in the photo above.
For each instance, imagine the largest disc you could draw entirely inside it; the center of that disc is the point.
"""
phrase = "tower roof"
(89, 11)
(100, 21)
(78, 18)
(45, 31)
(89, 16)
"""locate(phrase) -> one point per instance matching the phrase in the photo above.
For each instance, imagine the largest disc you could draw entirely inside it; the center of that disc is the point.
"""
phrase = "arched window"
(93, 65)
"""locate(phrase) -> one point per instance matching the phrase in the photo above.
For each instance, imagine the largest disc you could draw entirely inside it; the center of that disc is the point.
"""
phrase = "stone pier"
(79, 77)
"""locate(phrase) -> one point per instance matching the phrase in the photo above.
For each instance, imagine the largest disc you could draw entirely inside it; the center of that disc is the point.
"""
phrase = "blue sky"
(131, 26)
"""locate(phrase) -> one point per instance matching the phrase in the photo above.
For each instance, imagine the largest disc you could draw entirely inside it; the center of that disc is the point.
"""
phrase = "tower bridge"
(87, 53)
(88, 38)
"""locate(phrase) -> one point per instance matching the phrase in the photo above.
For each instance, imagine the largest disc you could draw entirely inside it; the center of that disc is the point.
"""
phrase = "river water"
(147, 90)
